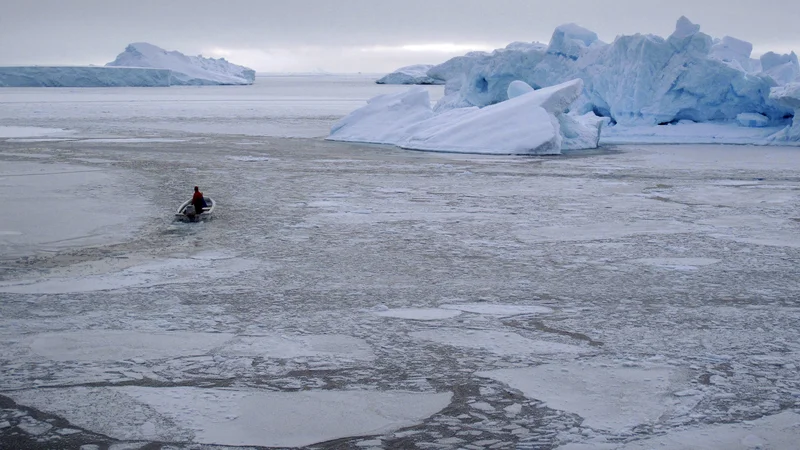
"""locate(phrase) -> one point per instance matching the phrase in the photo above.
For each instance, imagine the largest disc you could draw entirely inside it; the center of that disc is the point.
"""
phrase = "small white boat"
(186, 211)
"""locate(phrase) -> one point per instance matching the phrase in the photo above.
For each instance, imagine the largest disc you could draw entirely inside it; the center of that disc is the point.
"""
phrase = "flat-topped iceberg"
(531, 123)
(140, 65)
(635, 80)
(416, 74)
(186, 70)
(83, 76)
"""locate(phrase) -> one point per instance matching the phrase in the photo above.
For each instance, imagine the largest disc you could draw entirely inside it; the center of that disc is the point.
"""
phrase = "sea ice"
(105, 345)
(24, 132)
(234, 416)
(611, 398)
(416, 74)
(497, 342)
(419, 313)
(779, 432)
(330, 345)
(493, 309)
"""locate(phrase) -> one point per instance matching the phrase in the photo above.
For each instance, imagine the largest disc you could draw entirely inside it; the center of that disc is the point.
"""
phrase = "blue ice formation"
(635, 80)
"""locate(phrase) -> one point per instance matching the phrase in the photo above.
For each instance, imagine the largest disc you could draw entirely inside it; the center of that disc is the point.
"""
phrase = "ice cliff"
(635, 80)
(416, 74)
(186, 70)
(86, 76)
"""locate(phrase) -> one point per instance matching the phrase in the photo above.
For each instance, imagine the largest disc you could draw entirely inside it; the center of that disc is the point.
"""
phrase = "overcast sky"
(357, 35)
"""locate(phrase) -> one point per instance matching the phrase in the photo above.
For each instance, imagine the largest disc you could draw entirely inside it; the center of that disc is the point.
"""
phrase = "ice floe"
(494, 309)
(497, 342)
(419, 313)
(607, 397)
(234, 416)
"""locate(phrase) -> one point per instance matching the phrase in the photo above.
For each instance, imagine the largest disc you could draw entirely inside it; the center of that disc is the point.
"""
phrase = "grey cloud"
(94, 31)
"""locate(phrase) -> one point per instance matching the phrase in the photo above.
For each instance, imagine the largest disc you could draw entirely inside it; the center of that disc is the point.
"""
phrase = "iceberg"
(533, 122)
(635, 80)
(416, 74)
(789, 96)
(186, 70)
(83, 76)
(385, 119)
(140, 65)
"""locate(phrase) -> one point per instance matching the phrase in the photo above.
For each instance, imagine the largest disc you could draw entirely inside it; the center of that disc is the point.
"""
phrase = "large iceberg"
(635, 80)
(416, 74)
(788, 96)
(83, 76)
(186, 70)
(533, 122)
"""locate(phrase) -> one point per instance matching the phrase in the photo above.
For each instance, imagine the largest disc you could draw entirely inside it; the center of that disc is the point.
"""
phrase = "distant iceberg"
(186, 70)
(416, 74)
(83, 76)
(140, 65)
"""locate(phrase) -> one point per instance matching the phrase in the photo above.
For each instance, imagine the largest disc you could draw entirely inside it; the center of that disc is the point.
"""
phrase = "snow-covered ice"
(611, 398)
(27, 132)
(140, 65)
(497, 309)
(496, 342)
(184, 70)
(234, 416)
(103, 345)
(773, 432)
(419, 313)
(415, 74)
(529, 124)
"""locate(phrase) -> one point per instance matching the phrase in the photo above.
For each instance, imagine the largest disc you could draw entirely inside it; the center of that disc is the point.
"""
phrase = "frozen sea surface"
(353, 296)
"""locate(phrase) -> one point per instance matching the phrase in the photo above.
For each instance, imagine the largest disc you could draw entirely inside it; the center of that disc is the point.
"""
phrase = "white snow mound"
(186, 70)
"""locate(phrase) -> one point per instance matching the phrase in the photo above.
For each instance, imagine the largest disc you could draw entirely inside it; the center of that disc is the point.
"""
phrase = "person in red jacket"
(198, 201)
